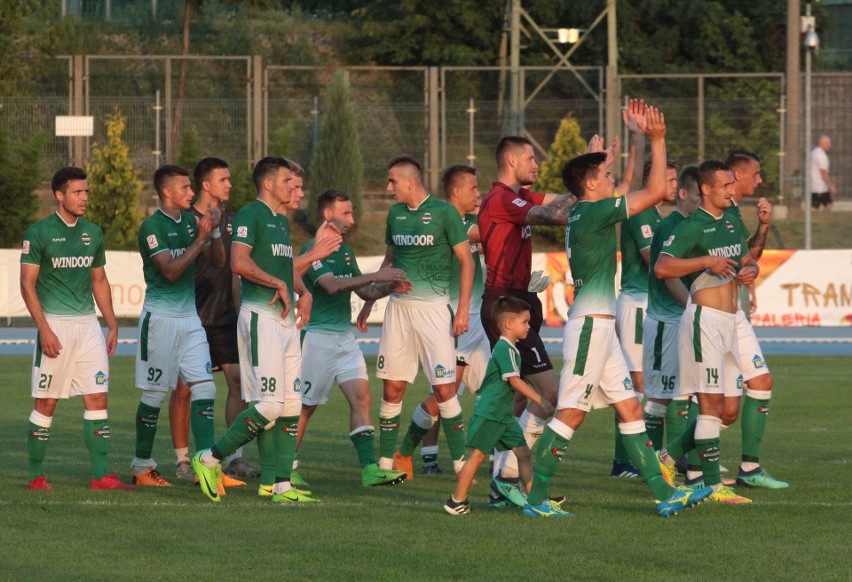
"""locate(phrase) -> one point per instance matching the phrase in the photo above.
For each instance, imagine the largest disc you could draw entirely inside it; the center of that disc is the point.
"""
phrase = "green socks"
(37, 439)
(551, 449)
(363, 438)
(643, 457)
(285, 431)
(388, 431)
(676, 417)
(146, 430)
(454, 431)
(708, 452)
(619, 455)
(96, 437)
(201, 422)
(247, 426)
(266, 452)
(755, 416)
(412, 438)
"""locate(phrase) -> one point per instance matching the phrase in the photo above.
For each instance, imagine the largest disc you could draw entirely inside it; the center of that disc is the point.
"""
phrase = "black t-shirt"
(214, 296)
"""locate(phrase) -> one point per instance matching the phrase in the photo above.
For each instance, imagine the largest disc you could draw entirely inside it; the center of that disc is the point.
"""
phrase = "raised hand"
(764, 211)
(635, 117)
(656, 127)
(596, 144)
(612, 152)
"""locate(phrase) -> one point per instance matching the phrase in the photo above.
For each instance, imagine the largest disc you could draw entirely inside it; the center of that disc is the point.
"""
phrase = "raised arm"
(636, 122)
(655, 190)
(555, 209)
(757, 242)
(334, 286)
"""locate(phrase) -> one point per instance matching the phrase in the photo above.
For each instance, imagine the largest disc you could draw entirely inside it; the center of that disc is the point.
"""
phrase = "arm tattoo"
(757, 242)
(554, 213)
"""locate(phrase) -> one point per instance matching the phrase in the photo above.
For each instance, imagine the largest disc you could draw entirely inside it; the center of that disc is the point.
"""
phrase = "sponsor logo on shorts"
(740, 383)
(519, 202)
(101, 378)
(85, 239)
(242, 232)
(426, 218)
(758, 362)
(208, 367)
(25, 248)
(646, 231)
(151, 239)
(297, 385)
(628, 384)
(442, 372)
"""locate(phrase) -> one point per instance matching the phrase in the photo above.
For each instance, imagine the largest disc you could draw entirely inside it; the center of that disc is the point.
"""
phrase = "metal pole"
(78, 107)
(255, 146)
(315, 125)
(514, 64)
(434, 142)
(782, 121)
(613, 99)
(471, 157)
(793, 81)
(806, 166)
(170, 147)
(157, 109)
(700, 118)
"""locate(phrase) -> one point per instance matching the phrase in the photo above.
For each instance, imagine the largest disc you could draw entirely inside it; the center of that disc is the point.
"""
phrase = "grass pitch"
(401, 532)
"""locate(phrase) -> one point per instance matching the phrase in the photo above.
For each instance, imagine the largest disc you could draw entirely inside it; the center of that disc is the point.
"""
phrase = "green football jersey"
(661, 305)
(268, 235)
(590, 245)
(65, 255)
(331, 313)
(636, 233)
(469, 221)
(161, 233)
(496, 396)
(734, 211)
(423, 239)
(703, 234)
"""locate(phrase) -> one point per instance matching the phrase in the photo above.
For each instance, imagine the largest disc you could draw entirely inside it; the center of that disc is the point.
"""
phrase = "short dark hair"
(738, 158)
(577, 170)
(405, 159)
(64, 175)
(707, 172)
(327, 198)
(688, 177)
(506, 306)
(265, 167)
(164, 173)
(509, 143)
(205, 167)
(646, 169)
(296, 168)
(448, 178)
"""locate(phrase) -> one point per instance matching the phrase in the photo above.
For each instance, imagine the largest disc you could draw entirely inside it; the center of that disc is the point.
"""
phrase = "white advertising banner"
(795, 288)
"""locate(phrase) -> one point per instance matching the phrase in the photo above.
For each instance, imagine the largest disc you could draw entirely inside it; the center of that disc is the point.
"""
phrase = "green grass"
(401, 532)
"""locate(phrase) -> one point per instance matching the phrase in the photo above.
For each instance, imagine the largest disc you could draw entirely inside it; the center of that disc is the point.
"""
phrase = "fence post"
(700, 118)
(170, 146)
(78, 107)
(257, 110)
(434, 143)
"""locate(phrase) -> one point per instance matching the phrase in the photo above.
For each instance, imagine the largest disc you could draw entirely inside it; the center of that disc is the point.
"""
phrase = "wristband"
(215, 233)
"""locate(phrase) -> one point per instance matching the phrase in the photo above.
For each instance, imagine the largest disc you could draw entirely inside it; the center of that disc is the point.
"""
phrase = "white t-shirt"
(819, 161)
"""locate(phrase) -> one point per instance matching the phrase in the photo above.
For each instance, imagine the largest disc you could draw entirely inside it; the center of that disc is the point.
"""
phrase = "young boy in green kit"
(493, 424)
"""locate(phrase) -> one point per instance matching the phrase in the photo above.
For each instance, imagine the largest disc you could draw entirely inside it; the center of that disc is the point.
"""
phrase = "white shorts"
(629, 324)
(328, 358)
(270, 360)
(82, 366)
(660, 359)
(414, 332)
(170, 346)
(751, 356)
(708, 351)
(474, 352)
(594, 374)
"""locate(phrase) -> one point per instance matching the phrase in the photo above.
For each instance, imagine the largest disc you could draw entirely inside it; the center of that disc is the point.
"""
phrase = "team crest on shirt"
(729, 226)
(101, 378)
(628, 384)
(519, 202)
(229, 229)
(426, 218)
(25, 249)
(758, 362)
(347, 258)
(151, 239)
(297, 385)
(242, 232)
(618, 202)
(669, 242)
(85, 239)
(646, 231)
(190, 231)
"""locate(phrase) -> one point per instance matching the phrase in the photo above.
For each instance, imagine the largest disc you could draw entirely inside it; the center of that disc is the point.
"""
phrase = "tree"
(115, 187)
(20, 175)
(337, 163)
(567, 144)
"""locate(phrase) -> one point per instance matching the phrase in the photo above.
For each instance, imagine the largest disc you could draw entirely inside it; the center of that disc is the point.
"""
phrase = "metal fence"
(240, 109)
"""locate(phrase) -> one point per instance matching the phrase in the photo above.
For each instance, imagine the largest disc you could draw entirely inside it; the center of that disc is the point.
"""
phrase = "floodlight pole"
(811, 44)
